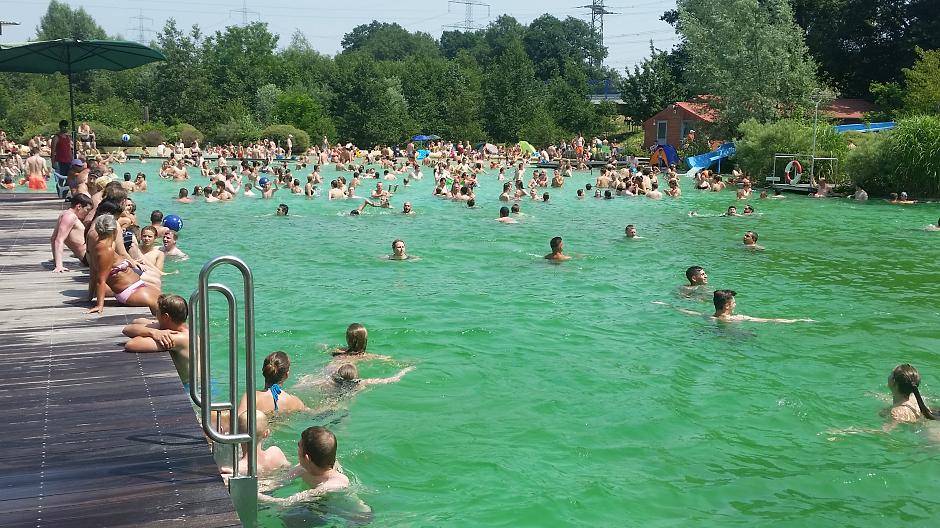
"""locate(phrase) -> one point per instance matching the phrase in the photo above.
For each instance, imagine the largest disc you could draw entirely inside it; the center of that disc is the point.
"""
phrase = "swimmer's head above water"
(357, 338)
(696, 276)
(904, 381)
(275, 369)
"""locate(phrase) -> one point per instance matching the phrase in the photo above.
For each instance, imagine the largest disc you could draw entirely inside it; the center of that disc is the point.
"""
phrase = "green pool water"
(559, 395)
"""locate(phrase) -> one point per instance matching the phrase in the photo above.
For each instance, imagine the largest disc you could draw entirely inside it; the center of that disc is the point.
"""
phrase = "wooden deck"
(92, 436)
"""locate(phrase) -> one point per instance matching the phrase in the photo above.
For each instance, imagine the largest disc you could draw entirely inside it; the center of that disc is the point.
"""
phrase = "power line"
(244, 12)
(468, 22)
(597, 22)
(140, 29)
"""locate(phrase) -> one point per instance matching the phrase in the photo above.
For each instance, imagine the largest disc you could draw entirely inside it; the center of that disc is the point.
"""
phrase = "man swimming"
(557, 253)
(931, 227)
(317, 466)
(398, 250)
(750, 241)
(281, 210)
(724, 310)
(170, 249)
(698, 283)
(630, 231)
(406, 209)
(504, 216)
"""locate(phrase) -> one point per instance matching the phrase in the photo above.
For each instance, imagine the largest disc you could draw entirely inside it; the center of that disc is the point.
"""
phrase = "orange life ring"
(796, 168)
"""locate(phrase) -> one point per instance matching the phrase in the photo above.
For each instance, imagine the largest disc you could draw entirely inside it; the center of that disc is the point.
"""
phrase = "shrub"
(279, 133)
(236, 131)
(186, 133)
(759, 142)
(904, 159)
(152, 137)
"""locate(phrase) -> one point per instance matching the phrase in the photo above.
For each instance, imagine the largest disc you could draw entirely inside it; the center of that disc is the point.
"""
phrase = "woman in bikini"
(120, 275)
(273, 399)
(907, 405)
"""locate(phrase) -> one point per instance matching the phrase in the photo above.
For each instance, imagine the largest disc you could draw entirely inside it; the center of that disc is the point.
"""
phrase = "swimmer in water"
(268, 460)
(504, 216)
(557, 253)
(732, 211)
(281, 210)
(357, 339)
(724, 310)
(345, 381)
(630, 231)
(317, 466)
(931, 227)
(750, 241)
(698, 283)
(748, 210)
(406, 209)
(398, 250)
(907, 405)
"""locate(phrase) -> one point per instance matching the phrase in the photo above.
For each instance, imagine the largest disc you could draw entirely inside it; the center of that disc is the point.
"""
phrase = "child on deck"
(168, 333)
(316, 454)
(268, 460)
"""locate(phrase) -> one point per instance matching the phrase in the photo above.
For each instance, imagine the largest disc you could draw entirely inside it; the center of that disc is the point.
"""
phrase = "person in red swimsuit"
(62, 148)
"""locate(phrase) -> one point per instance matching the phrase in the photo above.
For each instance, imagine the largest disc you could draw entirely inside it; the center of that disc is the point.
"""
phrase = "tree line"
(503, 83)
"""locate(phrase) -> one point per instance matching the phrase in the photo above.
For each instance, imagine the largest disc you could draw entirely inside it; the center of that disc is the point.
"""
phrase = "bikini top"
(124, 265)
(275, 393)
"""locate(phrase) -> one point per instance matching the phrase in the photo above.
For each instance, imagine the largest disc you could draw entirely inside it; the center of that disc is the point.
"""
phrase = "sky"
(626, 34)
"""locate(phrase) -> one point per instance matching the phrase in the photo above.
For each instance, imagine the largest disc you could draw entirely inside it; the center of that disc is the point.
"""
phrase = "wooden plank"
(97, 437)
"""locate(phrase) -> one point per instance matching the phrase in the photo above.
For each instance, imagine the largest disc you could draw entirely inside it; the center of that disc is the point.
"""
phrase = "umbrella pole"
(72, 112)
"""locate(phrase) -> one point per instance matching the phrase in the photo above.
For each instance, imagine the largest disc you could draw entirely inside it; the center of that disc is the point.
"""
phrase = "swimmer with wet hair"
(907, 404)
(357, 339)
(282, 210)
(698, 284)
(504, 216)
(316, 454)
(750, 241)
(398, 250)
(345, 380)
(273, 399)
(557, 253)
(724, 310)
(732, 211)
(630, 231)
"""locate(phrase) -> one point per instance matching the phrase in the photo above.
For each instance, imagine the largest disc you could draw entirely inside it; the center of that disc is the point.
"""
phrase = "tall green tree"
(749, 55)
(510, 93)
(652, 85)
(860, 42)
(61, 21)
(554, 45)
(922, 81)
(385, 41)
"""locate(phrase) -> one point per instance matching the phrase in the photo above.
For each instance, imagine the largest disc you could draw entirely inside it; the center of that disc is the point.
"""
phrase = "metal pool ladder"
(243, 488)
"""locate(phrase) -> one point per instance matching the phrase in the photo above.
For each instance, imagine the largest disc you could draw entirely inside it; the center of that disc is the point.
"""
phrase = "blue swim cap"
(262, 181)
(173, 223)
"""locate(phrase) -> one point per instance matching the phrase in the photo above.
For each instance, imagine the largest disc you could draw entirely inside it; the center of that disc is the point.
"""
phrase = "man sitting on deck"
(168, 333)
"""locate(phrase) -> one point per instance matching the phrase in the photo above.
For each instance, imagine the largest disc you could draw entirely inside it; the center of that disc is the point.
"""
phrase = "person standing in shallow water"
(557, 253)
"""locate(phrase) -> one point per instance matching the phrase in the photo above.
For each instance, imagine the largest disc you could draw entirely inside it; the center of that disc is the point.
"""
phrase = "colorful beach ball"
(125, 138)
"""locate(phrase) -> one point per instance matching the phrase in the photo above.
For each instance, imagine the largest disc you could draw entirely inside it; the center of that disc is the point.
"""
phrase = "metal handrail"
(244, 489)
(205, 359)
(194, 343)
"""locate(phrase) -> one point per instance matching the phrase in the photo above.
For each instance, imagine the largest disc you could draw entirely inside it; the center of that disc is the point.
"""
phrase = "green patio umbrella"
(70, 56)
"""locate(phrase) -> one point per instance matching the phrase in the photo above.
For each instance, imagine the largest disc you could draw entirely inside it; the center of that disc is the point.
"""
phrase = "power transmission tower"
(468, 24)
(244, 12)
(140, 29)
(7, 23)
(597, 21)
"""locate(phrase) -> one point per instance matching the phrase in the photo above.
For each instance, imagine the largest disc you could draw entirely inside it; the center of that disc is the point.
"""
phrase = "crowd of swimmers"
(126, 262)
